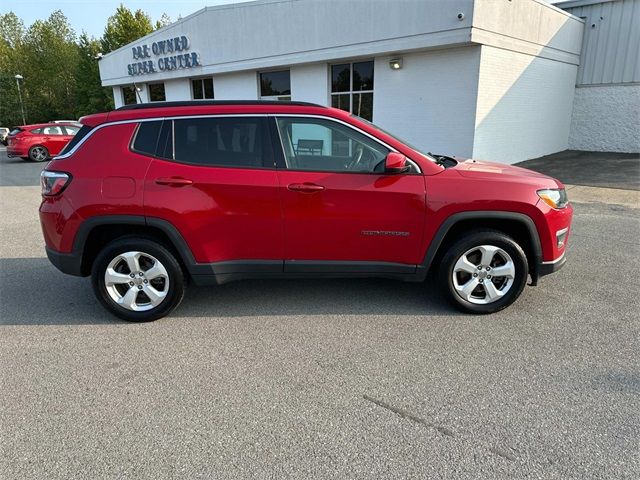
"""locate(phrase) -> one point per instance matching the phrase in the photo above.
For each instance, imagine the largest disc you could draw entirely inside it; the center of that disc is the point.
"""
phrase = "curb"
(584, 194)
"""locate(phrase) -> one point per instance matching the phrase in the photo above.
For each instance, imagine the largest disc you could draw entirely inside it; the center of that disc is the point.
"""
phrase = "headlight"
(554, 197)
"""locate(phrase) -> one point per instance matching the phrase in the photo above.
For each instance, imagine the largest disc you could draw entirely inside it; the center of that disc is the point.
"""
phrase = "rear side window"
(241, 142)
(146, 139)
(71, 130)
(36, 131)
(76, 139)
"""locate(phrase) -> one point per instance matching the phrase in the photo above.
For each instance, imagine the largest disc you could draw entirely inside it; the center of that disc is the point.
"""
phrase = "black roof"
(193, 103)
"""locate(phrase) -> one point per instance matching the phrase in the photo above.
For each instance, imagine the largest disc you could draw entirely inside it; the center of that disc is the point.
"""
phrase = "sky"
(91, 15)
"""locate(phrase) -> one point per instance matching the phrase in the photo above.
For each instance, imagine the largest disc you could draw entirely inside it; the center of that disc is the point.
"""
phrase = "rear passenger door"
(54, 139)
(214, 179)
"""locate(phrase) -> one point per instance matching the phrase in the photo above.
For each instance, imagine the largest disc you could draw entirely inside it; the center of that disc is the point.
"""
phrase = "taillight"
(53, 183)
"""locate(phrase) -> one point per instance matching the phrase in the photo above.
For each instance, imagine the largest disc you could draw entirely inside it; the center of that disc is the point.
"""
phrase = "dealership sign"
(173, 55)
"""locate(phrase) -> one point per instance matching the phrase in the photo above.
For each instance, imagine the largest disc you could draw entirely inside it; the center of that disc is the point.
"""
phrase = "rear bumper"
(69, 263)
(546, 268)
(12, 151)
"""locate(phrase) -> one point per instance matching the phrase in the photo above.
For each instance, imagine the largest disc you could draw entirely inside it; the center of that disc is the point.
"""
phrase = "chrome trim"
(554, 261)
(562, 232)
(152, 119)
(209, 115)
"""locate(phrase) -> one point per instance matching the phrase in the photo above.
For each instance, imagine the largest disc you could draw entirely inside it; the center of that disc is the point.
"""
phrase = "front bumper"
(547, 268)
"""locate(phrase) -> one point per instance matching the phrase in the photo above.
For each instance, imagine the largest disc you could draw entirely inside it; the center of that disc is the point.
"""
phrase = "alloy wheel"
(136, 281)
(483, 274)
(39, 154)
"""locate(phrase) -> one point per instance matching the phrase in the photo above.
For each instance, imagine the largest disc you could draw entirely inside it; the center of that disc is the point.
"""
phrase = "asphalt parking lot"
(322, 379)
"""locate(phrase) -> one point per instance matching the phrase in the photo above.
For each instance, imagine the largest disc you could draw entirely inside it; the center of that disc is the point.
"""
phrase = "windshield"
(425, 155)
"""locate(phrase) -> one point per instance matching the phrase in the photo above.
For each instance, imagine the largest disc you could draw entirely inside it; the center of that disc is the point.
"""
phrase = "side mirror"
(396, 163)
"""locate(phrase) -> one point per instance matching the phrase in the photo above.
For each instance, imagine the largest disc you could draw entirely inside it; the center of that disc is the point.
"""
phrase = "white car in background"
(4, 133)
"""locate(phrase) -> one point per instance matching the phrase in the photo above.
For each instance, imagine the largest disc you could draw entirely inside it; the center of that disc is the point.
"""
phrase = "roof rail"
(197, 103)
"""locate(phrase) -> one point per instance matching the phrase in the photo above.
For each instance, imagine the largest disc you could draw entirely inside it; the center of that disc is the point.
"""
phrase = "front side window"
(326, 146)
(129, 95)
(275, 85)
(202, 88)
(352, 88)
(156, 92)
(226, 142)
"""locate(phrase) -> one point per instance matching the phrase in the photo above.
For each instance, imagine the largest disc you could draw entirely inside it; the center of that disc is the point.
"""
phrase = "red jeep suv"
(148, 197)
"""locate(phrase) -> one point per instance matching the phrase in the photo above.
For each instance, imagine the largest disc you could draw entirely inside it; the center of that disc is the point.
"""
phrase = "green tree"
(124, 27)
(164, 21)
(12, 33)
(91, 95)
(50, 57)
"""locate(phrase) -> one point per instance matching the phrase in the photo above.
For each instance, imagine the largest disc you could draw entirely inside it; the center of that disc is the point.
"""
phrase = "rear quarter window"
(146, 138)
(83, 132)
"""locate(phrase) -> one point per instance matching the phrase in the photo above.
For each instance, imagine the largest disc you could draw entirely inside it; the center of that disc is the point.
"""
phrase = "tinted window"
(15, 131)
(165, 140)
(156, 92)
(37, 131)
(146, 138)
(323, 145)
(74, 141)
(229, 141)
(129, 95)
(275, 83)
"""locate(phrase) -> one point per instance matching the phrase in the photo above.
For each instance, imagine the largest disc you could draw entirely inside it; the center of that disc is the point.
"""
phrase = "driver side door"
(342, 213)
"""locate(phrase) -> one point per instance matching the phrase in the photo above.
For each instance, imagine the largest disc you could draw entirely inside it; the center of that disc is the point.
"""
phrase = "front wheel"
(483, 272)
(137, 279)
(38, 153)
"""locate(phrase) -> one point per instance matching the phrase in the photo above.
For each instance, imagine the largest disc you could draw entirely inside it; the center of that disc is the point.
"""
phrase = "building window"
(352, 88)
(156, 92)
(202, 88)
(129, 95)
(275, 85)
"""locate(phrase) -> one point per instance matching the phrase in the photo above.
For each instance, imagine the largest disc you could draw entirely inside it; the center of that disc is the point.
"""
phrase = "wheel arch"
(517, 225)
(94, 233)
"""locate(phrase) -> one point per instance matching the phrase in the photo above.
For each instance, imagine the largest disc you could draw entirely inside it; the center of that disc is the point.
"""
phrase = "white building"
(606, 107)
(492, 79)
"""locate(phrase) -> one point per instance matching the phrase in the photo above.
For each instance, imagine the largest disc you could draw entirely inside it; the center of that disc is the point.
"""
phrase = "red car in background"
(39, 142)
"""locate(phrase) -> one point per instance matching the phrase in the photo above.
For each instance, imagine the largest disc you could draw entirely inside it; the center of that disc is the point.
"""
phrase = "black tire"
(473, 240)
(149, 249)
(38, 153)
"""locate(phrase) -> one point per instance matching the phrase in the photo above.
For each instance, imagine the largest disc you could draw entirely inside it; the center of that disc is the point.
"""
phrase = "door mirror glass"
(396, 163)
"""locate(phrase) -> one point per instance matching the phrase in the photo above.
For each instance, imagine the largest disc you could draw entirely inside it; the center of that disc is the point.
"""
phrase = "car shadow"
(33, 292)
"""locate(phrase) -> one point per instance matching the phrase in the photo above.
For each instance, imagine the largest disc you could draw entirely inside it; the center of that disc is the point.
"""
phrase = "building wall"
(524, 106)
(310, 83)
(430, 102)
(611, 42)
(606, 118)
(236, 86)
(179, 89)
(606, 110)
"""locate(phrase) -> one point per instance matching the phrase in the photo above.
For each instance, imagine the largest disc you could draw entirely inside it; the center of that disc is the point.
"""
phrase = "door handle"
(305, 187)
(174, 181)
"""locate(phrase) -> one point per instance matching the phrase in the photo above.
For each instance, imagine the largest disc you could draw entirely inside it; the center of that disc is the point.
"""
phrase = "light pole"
(18, 78)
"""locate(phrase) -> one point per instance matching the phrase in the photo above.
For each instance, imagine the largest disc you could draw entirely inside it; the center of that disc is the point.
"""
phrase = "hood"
(495, 171)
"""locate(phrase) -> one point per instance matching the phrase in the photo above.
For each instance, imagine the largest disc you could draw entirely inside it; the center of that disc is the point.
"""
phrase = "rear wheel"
(38, 153)
(484, 272)
(138, 280)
